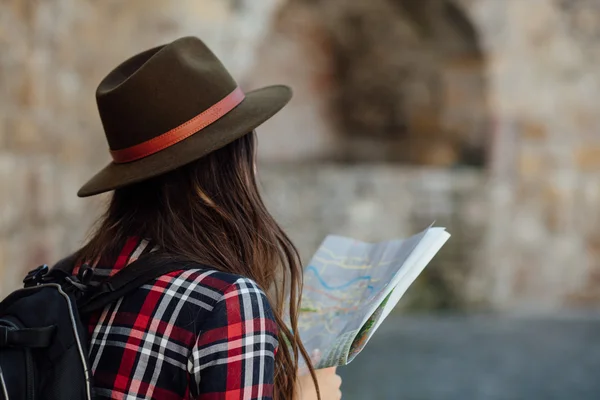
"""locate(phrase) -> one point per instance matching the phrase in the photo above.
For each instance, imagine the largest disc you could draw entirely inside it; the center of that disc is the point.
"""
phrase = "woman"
(181, 135)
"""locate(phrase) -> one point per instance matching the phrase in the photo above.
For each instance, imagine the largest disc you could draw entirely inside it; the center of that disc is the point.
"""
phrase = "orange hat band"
(181, 132)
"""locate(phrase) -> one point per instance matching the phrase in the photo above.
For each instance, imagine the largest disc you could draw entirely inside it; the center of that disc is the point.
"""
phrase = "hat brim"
(258, 106)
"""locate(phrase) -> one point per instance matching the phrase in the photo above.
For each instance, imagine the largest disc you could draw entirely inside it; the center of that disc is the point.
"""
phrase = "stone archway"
(399, 81)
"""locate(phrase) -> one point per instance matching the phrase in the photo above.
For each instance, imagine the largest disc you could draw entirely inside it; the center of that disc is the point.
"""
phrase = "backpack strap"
(65, 265)
(136, 274)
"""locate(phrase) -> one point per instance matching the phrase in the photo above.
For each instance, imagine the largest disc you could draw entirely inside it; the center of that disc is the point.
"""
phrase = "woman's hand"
(329, 385)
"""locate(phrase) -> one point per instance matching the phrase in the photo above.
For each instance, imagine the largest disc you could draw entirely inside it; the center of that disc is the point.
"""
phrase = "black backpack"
(43, 339)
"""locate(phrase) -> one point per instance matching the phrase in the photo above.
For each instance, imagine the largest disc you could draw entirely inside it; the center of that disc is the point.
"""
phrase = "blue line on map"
(344, 286)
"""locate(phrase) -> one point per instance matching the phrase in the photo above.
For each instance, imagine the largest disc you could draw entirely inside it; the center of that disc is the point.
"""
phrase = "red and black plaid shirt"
(194, 334)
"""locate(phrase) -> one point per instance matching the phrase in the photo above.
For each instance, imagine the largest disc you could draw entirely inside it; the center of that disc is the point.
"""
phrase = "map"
(347, 286)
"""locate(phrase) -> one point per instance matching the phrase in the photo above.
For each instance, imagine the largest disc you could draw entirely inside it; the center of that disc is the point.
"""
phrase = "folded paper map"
(350, 287)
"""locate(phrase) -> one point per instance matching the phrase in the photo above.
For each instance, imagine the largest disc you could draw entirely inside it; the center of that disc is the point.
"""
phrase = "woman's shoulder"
(216, 299)
(213, 287)
(218, 282)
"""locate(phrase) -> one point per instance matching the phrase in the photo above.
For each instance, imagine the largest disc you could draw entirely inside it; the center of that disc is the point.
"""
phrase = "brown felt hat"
(171, 105)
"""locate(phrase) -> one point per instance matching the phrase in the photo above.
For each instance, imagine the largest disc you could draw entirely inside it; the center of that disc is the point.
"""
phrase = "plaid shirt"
(194, 334)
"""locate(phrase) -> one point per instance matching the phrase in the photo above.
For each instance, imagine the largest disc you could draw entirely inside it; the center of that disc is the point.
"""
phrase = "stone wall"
(376, 203)
(544, 85)
(52, 55)
(538, 199)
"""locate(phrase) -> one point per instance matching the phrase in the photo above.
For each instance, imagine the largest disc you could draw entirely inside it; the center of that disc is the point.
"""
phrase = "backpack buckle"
(35, 276)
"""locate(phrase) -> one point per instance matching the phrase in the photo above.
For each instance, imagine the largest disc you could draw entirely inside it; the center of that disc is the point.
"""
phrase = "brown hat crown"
(160, 89)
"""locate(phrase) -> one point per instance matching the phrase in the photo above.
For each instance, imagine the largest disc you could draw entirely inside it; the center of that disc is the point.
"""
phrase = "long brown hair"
(211, 212)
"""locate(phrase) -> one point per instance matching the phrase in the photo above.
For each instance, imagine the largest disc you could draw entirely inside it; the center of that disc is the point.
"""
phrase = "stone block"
(25, 135)
(13, 193)
(588, 158)
(535, 131)
(531, 165)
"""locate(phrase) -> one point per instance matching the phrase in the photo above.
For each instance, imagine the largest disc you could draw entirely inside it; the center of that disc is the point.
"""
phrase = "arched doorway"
(398, 81)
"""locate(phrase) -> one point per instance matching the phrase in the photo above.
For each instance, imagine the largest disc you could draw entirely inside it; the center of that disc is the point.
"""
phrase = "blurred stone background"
(480, 114)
